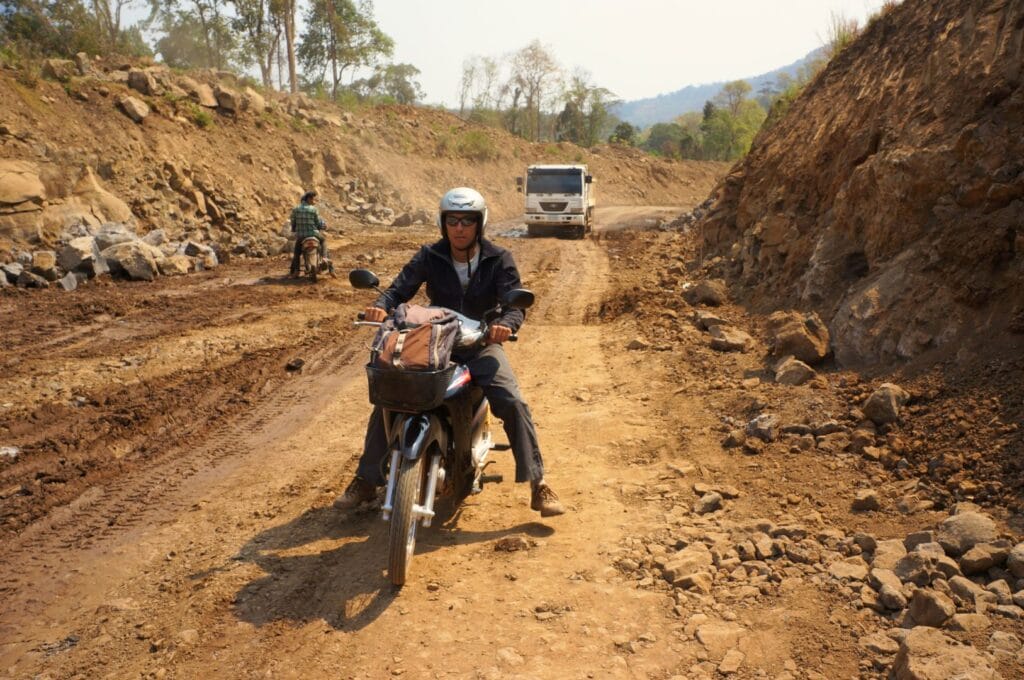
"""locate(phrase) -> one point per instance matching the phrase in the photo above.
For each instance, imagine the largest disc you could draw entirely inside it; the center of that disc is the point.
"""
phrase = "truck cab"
(559, 200)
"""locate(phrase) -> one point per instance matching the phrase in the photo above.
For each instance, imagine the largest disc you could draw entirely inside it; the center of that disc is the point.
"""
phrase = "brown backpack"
(416, 338)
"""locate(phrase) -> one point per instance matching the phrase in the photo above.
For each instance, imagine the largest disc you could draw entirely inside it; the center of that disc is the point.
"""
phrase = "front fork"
(410, 436)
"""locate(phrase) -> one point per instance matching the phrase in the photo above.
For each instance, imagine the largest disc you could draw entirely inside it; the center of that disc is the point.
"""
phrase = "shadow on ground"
(329, 564)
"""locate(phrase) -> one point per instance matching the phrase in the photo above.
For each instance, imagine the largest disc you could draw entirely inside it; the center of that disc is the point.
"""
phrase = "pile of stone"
(956, 577)
(113, 248)
(686, 221)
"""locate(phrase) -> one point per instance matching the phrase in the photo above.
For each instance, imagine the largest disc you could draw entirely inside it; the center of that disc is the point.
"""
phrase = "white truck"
(559, 200)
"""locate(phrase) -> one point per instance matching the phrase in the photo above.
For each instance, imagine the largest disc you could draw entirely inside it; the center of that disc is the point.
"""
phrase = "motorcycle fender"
(417, 431)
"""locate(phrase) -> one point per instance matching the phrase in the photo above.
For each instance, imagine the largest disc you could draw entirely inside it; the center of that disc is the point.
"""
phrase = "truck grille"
(553, 207)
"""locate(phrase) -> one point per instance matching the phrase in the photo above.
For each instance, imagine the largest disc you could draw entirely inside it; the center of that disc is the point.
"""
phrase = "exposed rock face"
(19, 183)
(927, 654)
(887, 199)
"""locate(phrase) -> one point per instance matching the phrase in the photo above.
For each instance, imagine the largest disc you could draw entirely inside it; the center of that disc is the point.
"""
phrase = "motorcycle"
(438, 429)
(312, 263)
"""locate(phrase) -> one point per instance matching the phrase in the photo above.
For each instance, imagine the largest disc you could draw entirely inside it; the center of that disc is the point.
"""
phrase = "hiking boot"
(359, 491)
(545, 501)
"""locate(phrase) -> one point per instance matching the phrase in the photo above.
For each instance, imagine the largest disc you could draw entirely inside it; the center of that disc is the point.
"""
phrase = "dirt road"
(171, 513)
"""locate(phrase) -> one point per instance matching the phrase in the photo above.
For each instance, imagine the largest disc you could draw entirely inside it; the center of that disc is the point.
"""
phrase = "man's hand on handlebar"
(498, 334)
(374, 314)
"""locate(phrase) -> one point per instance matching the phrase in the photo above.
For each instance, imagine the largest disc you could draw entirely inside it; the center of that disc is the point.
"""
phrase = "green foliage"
(728, 136)
(663, 140)
(624, 134)
(723, 131)
(476, 145)
(394, 82)
(340, 35)
(62, 28)
(201, 116)
(585, 119)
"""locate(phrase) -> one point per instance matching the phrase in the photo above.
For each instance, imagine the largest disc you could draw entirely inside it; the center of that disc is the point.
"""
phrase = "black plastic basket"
(401, 390)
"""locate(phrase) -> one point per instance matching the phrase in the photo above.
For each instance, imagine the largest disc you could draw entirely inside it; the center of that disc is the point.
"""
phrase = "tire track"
(147, 495)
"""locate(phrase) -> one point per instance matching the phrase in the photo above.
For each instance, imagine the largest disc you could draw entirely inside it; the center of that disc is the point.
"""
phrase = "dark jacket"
(432, 265)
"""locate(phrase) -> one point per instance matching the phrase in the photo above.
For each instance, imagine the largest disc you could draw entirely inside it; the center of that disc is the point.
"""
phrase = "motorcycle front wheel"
(402, 538)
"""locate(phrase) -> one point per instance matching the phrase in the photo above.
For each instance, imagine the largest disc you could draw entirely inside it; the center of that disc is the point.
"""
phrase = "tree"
(393, 81)
(197, 34)
(732, 95)
(341, 35)
(534, 71)
(664, 139)
(64, 28)
(624, 134)
(254, 19)
(585, 118)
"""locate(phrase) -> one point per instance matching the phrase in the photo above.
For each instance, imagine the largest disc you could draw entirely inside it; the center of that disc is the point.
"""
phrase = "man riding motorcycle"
(306, 223)
(467, 273)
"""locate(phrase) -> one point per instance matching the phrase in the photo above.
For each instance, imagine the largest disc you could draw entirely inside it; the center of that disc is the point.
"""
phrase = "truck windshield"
(554, 182)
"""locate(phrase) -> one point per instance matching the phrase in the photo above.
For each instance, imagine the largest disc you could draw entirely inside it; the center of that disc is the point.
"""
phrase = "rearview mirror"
(519, 298)
(363, 278)
(519, 185)
(589, 179)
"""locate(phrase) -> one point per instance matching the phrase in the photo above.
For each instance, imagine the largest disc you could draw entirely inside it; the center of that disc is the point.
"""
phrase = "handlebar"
(361, 321)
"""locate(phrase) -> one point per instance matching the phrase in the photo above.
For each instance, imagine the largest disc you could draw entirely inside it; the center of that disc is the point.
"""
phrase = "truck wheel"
(535, 230)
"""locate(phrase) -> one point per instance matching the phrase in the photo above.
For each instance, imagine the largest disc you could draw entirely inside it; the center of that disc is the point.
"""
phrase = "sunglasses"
(453, 221)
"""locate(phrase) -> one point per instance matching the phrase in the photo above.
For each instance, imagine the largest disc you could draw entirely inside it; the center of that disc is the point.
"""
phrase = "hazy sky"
(635, 48)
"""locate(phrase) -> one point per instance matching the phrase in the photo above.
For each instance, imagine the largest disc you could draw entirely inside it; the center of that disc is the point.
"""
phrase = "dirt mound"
(888, 199)
(207, 158)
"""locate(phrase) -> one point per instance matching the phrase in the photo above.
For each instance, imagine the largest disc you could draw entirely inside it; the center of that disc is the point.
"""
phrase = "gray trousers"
(493, 374)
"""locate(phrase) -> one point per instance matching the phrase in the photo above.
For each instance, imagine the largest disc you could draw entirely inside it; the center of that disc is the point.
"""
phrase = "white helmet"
(462, 199)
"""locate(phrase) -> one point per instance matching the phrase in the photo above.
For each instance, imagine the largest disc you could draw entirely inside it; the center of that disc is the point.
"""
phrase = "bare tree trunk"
(289, 36)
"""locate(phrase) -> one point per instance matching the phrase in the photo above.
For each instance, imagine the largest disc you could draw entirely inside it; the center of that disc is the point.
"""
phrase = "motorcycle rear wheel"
(402, 538)
(311, 264)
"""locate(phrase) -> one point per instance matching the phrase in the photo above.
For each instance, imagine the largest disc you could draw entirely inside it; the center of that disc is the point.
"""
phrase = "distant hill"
(663, 108)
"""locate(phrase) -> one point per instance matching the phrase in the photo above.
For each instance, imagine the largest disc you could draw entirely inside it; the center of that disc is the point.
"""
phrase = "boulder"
(931, 608)
(20, 183)
(927, 654)
(729, 340)
(27, 279)
(44, 263)
(227, 99)
(175, 265)
(983, 557)
(711, 292)
(694, 558)
(144, 82)
(403, 220)
(83, 255)
(254, 101)
(133, 259)
(112, 233)
(201, 93)
(792, 371)
(852, 568)
(883, 406)
(104, 205)
(764, 427)
(59, 69)
(1015, 560)
(866, 500)
(803, 336)
(136, 109)
(156, 237)
(963, 531)
(83, 64)
(69, 282)
(11, 271)
(704, 319)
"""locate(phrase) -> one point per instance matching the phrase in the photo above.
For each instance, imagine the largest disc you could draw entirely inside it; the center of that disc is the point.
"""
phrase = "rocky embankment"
(930, 581)
(208, 158)
(889, 198)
